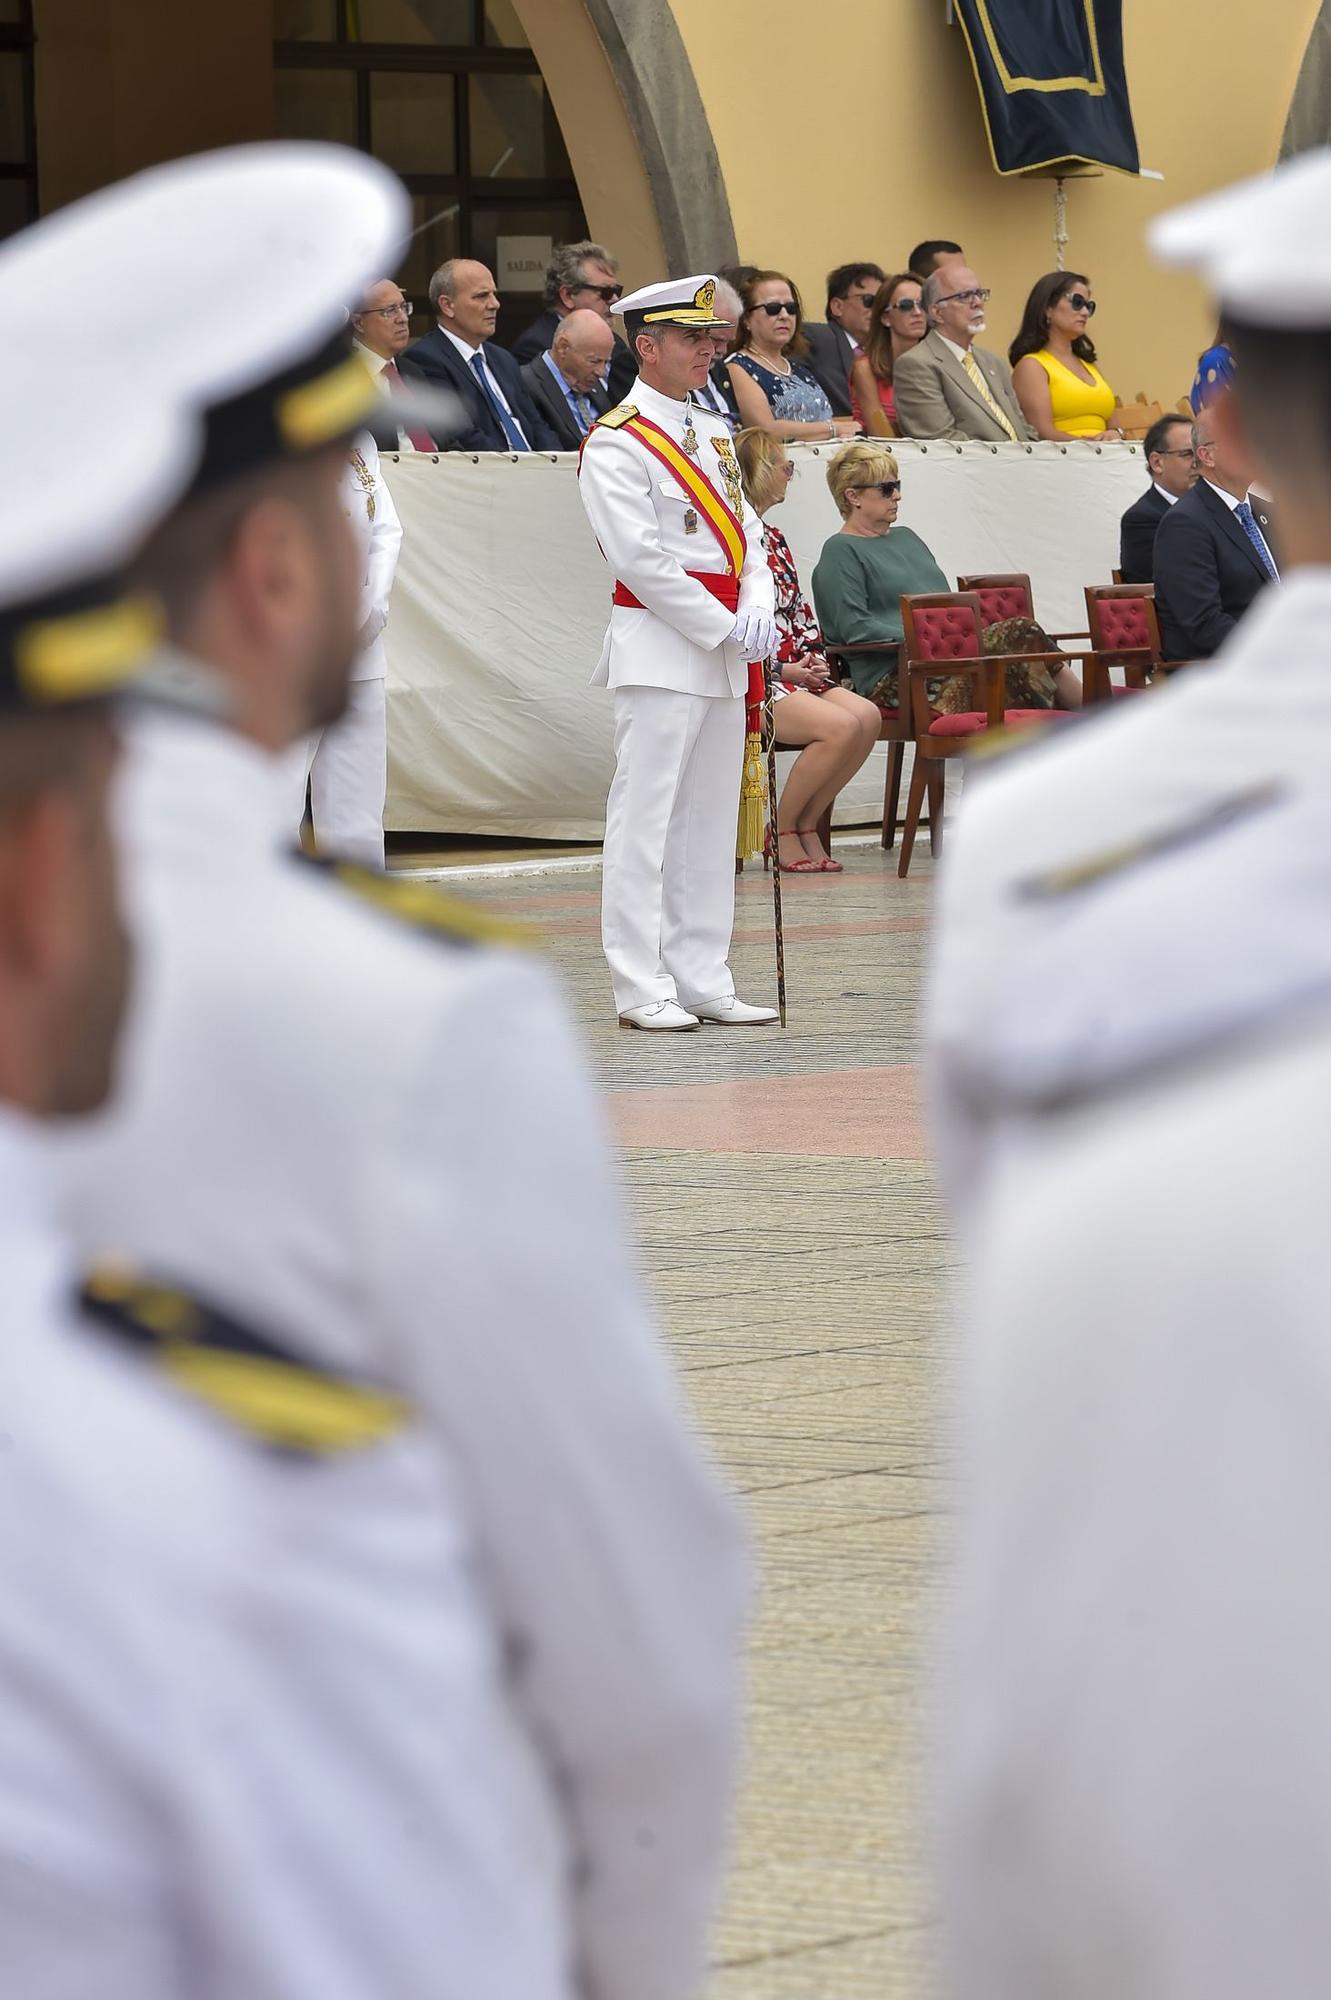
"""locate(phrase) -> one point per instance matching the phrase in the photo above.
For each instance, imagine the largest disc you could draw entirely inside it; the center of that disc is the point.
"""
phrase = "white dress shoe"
(661, 1014)
(732, 1012)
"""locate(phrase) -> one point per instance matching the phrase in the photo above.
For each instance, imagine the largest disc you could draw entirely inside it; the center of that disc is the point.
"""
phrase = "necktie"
(507, 423)
(1243, 512)
(421, 440)
(586, 414)
(973, 369)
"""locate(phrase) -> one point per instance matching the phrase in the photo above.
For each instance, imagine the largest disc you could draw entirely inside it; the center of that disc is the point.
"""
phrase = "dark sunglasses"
(1080, 304)
(775, 306)
(607, 292)
(889, 488)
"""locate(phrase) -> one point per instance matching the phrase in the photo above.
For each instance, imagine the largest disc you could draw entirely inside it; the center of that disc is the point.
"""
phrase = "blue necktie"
(1243, 512)
(501, 416)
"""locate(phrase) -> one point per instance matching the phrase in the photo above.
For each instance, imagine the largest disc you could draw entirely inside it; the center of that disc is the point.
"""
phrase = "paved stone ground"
(795, 1243)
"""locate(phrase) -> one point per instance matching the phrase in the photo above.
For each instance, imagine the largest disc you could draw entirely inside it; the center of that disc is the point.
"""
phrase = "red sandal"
(808, 866)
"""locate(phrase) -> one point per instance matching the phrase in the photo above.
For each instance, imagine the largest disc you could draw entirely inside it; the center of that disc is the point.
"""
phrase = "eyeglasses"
(889, 488)
(402, 310)
(774, 307)
(1081, 304)
(607, 292)
(1175, 451)
(915, 305)
(975, 298)
(862, 298)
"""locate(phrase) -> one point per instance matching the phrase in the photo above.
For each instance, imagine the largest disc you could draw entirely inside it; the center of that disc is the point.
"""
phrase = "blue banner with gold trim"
(1052, 82)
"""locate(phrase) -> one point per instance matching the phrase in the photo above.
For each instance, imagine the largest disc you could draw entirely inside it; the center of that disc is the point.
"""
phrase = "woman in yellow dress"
(1061, 391)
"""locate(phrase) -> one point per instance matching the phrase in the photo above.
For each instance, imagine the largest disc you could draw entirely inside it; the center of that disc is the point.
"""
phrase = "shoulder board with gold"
(426, 908)
(613, 419)
(266, 1390)
(1198, 827)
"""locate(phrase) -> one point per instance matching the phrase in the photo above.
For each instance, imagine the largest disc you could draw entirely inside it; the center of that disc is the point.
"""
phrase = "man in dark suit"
(1173, 464)
(565, 381)
(461, 355)
(833, 347)
(1213, 551)
(580, 277)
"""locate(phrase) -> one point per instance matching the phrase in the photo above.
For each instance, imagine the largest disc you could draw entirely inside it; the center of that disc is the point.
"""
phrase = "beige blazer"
(937, 399)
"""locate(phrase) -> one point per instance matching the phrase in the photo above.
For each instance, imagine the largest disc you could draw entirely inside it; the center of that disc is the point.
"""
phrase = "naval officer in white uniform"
(346, 767)
(426, 1201)
(693, 605)
(1137, 1788)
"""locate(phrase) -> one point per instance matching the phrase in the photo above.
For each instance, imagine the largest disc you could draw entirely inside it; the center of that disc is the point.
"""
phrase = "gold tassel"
(752, 801)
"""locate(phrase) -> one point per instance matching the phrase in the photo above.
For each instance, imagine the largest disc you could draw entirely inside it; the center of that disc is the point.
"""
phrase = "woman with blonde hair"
(835, 729)
(775, 390)
(868, 566)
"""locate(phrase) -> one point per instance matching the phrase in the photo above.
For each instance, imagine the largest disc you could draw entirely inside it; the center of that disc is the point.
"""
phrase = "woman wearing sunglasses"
(898, 323)
(774, 389)
(868, 566)
(834, 729)
(1061, 391)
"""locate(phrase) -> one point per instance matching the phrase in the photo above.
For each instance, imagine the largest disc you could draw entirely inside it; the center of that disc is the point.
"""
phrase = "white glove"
(754, 632)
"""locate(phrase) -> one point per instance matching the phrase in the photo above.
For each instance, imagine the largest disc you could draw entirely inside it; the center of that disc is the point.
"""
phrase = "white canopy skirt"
(502, 598)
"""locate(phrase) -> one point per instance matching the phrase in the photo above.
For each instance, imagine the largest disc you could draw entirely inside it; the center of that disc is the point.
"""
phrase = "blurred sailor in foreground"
(1156, 765)
(693, 604)
(346, 766)
(427, 1205)
(1137, 1792)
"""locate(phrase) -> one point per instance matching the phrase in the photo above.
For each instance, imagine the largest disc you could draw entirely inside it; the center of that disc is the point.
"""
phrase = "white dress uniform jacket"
(346, 766)
(1159, 766)
(668, 874)
(247, 1699)
(1137, 1779)
(429, 1202)
(637, 511)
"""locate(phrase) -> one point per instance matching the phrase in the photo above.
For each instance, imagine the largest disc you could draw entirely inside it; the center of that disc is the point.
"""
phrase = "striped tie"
(973, 369)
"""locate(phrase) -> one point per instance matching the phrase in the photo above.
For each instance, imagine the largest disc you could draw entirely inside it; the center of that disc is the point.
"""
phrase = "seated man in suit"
(947, 387)
(833, 346)
(565, 381)
(580, 277)
(1173, 464)
(1212, 551)
(461, 355)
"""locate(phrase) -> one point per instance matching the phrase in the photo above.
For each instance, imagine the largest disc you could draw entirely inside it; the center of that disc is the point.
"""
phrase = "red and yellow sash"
(717, 513)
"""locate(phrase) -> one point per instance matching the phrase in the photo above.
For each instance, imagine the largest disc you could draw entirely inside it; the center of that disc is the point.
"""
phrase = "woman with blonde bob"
(835, 728)
(867, 566)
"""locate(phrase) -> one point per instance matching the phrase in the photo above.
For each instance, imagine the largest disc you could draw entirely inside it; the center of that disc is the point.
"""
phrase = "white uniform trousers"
(347, 768)
(668, 873)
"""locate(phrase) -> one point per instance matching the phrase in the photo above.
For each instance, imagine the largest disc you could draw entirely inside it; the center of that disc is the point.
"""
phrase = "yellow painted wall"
(854, 130)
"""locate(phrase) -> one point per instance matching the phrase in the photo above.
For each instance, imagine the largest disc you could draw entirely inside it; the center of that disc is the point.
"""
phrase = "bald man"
(568, 382)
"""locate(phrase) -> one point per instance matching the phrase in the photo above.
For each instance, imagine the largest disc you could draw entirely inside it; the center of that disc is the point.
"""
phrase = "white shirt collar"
(1164, 492)
(376, 363)
(1231, 500)
(960, 352)
(464, 348)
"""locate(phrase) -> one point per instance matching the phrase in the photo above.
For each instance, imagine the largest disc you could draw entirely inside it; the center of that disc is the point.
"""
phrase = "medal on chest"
(689, 446)
(730, 473)
(367, 481)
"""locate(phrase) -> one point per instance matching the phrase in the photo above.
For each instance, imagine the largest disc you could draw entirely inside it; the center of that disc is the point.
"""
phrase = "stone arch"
(637, 132)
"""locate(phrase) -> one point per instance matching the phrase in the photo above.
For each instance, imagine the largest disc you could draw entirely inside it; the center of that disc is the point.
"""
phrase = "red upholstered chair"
(943, 631)
(1124, 633)
(1007, 594)
(894, 730)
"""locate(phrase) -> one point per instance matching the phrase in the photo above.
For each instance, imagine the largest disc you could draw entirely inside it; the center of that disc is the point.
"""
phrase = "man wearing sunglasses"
(581, 277)
(947, 387)
(1173, 463)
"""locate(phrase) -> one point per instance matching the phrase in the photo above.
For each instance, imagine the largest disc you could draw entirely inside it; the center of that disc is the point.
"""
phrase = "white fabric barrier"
(502, 598)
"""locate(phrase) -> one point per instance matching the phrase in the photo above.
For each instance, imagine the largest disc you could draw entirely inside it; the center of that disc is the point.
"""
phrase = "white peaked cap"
(1262, 246)
(678, 302)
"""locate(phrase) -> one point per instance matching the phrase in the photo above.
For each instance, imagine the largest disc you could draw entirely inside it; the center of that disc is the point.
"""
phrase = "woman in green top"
(868, 566)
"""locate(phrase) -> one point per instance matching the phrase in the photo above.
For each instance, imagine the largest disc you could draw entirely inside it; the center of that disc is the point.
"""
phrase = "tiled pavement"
(795, 1244)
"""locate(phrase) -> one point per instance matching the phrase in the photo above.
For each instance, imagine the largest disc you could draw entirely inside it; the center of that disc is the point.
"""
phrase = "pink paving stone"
(861, 1114)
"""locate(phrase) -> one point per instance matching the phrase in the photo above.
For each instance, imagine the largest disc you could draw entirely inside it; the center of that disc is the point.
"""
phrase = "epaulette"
(1117, 860)
(426, 908)
(261, 1387)
(612, 419)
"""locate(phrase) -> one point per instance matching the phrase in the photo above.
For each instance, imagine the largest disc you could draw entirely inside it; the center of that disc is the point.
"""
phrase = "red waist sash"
(724, 588)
